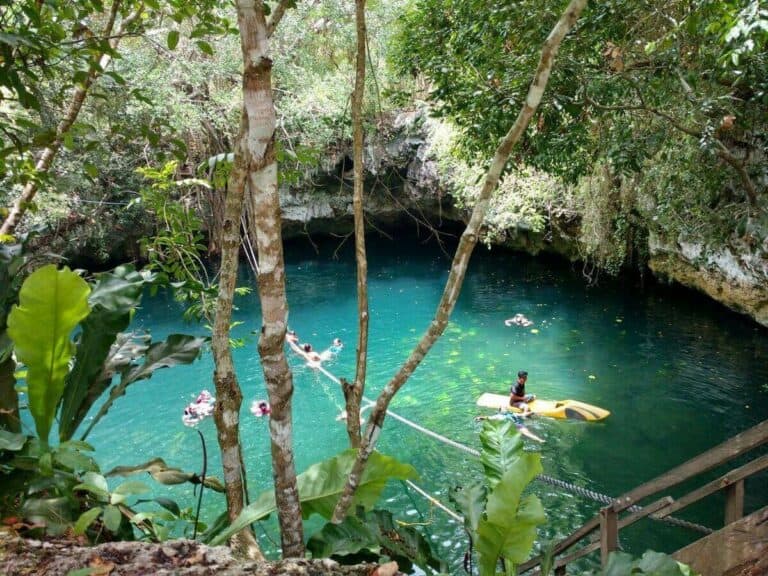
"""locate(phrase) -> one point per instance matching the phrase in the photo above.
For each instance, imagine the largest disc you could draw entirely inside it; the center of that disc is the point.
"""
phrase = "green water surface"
(678, 373)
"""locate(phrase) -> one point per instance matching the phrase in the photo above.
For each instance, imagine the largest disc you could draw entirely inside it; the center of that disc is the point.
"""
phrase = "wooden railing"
(609, 523)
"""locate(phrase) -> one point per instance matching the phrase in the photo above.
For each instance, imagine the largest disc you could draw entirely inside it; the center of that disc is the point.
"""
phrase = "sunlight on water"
(678, 373)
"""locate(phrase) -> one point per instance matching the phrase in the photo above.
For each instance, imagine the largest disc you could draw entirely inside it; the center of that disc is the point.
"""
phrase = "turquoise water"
(679, 374)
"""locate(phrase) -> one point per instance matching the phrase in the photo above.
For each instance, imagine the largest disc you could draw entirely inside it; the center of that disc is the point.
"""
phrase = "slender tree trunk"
(354, 393)
(9, 399)
(229, 398)
(259, 123)
(70, 116)
(463, 253)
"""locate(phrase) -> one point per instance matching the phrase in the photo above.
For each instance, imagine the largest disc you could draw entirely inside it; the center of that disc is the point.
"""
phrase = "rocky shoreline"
(24, 557)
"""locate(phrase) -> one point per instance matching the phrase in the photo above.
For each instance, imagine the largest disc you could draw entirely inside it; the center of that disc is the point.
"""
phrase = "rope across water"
(569, 487)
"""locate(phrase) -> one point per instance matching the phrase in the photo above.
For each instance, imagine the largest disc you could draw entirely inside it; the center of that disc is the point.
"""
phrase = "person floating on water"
(332, 351)
(260, 408)
(336, 346)
(305, 350)
(197, 411)
(516, 420)
(518, 320)
(310, 354)
(517, 396)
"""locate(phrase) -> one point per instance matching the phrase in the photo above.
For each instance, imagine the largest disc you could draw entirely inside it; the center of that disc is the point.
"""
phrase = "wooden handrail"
(712, 458)
(724, 481)
(720, 454)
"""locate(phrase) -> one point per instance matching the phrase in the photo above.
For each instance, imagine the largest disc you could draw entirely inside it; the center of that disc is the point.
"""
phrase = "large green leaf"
(177, 349)
(11, 441)
(471, 502)
(349, 537)
(322, 483)
(502, 446)
(376, 532)
(51, 304)
(56, 514)
(161, 472)
(509, 528)
(114, 297)
(651, 564)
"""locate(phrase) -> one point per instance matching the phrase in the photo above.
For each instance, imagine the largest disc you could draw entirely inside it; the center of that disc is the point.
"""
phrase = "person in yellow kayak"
(517, 396)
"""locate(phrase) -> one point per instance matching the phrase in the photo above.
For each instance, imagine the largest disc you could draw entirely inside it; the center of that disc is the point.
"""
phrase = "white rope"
(435, 501)
(596, 496)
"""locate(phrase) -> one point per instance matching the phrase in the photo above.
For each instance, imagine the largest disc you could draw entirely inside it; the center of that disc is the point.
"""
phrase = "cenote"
(679, 374)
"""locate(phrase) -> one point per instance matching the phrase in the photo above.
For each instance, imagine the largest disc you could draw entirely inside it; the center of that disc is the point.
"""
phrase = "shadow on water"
(678, 372)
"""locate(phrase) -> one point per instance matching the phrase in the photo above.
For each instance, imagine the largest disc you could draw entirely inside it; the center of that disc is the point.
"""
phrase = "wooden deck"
(738, 540)
(740, 548)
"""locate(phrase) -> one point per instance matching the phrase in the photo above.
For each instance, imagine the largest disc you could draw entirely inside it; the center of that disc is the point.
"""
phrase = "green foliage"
(374, 536)
(162, 473)
(115, 511)
(125, 356)
(13, 261)
(654, 94)
(320, 486)
(651, 564)
(51, 304)
(38, 481)
(499, 519)
(176, 247)
(525, 199)
(114, 297)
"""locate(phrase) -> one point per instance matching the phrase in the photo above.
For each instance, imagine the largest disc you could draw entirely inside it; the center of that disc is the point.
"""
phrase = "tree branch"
(48, 154)
(722, 150)
(277, 15)
(463, 253)
(354, 393)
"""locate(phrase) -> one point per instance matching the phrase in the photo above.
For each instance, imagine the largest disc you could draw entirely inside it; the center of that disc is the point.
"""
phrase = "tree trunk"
(463, 253)
(353, 394)
(228, 395)
(264, 200)
(9, 399)
(73, 110)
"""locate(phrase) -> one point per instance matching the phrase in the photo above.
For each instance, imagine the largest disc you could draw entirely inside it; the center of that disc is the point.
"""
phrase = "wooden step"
(738, 549)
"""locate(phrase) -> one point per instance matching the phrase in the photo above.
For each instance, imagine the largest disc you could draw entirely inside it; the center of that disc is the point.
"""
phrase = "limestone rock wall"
(736, 276)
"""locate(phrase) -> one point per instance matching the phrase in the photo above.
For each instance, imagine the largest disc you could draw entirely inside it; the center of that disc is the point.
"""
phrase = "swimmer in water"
(260, 408)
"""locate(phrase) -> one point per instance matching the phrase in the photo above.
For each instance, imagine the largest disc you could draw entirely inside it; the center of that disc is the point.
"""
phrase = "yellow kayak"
(572, 409)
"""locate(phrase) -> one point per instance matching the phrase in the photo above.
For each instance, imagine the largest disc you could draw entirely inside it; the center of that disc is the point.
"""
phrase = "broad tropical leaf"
(509, 528)
(86, 519)
(659, 564)
(322, 483)
(375, 531)
(11, 441)
(471, 502)
(51, 304)
(114, 297)
(175, 350)
(56, 514)
(502, 446)
(161, 472)
(349, 537)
